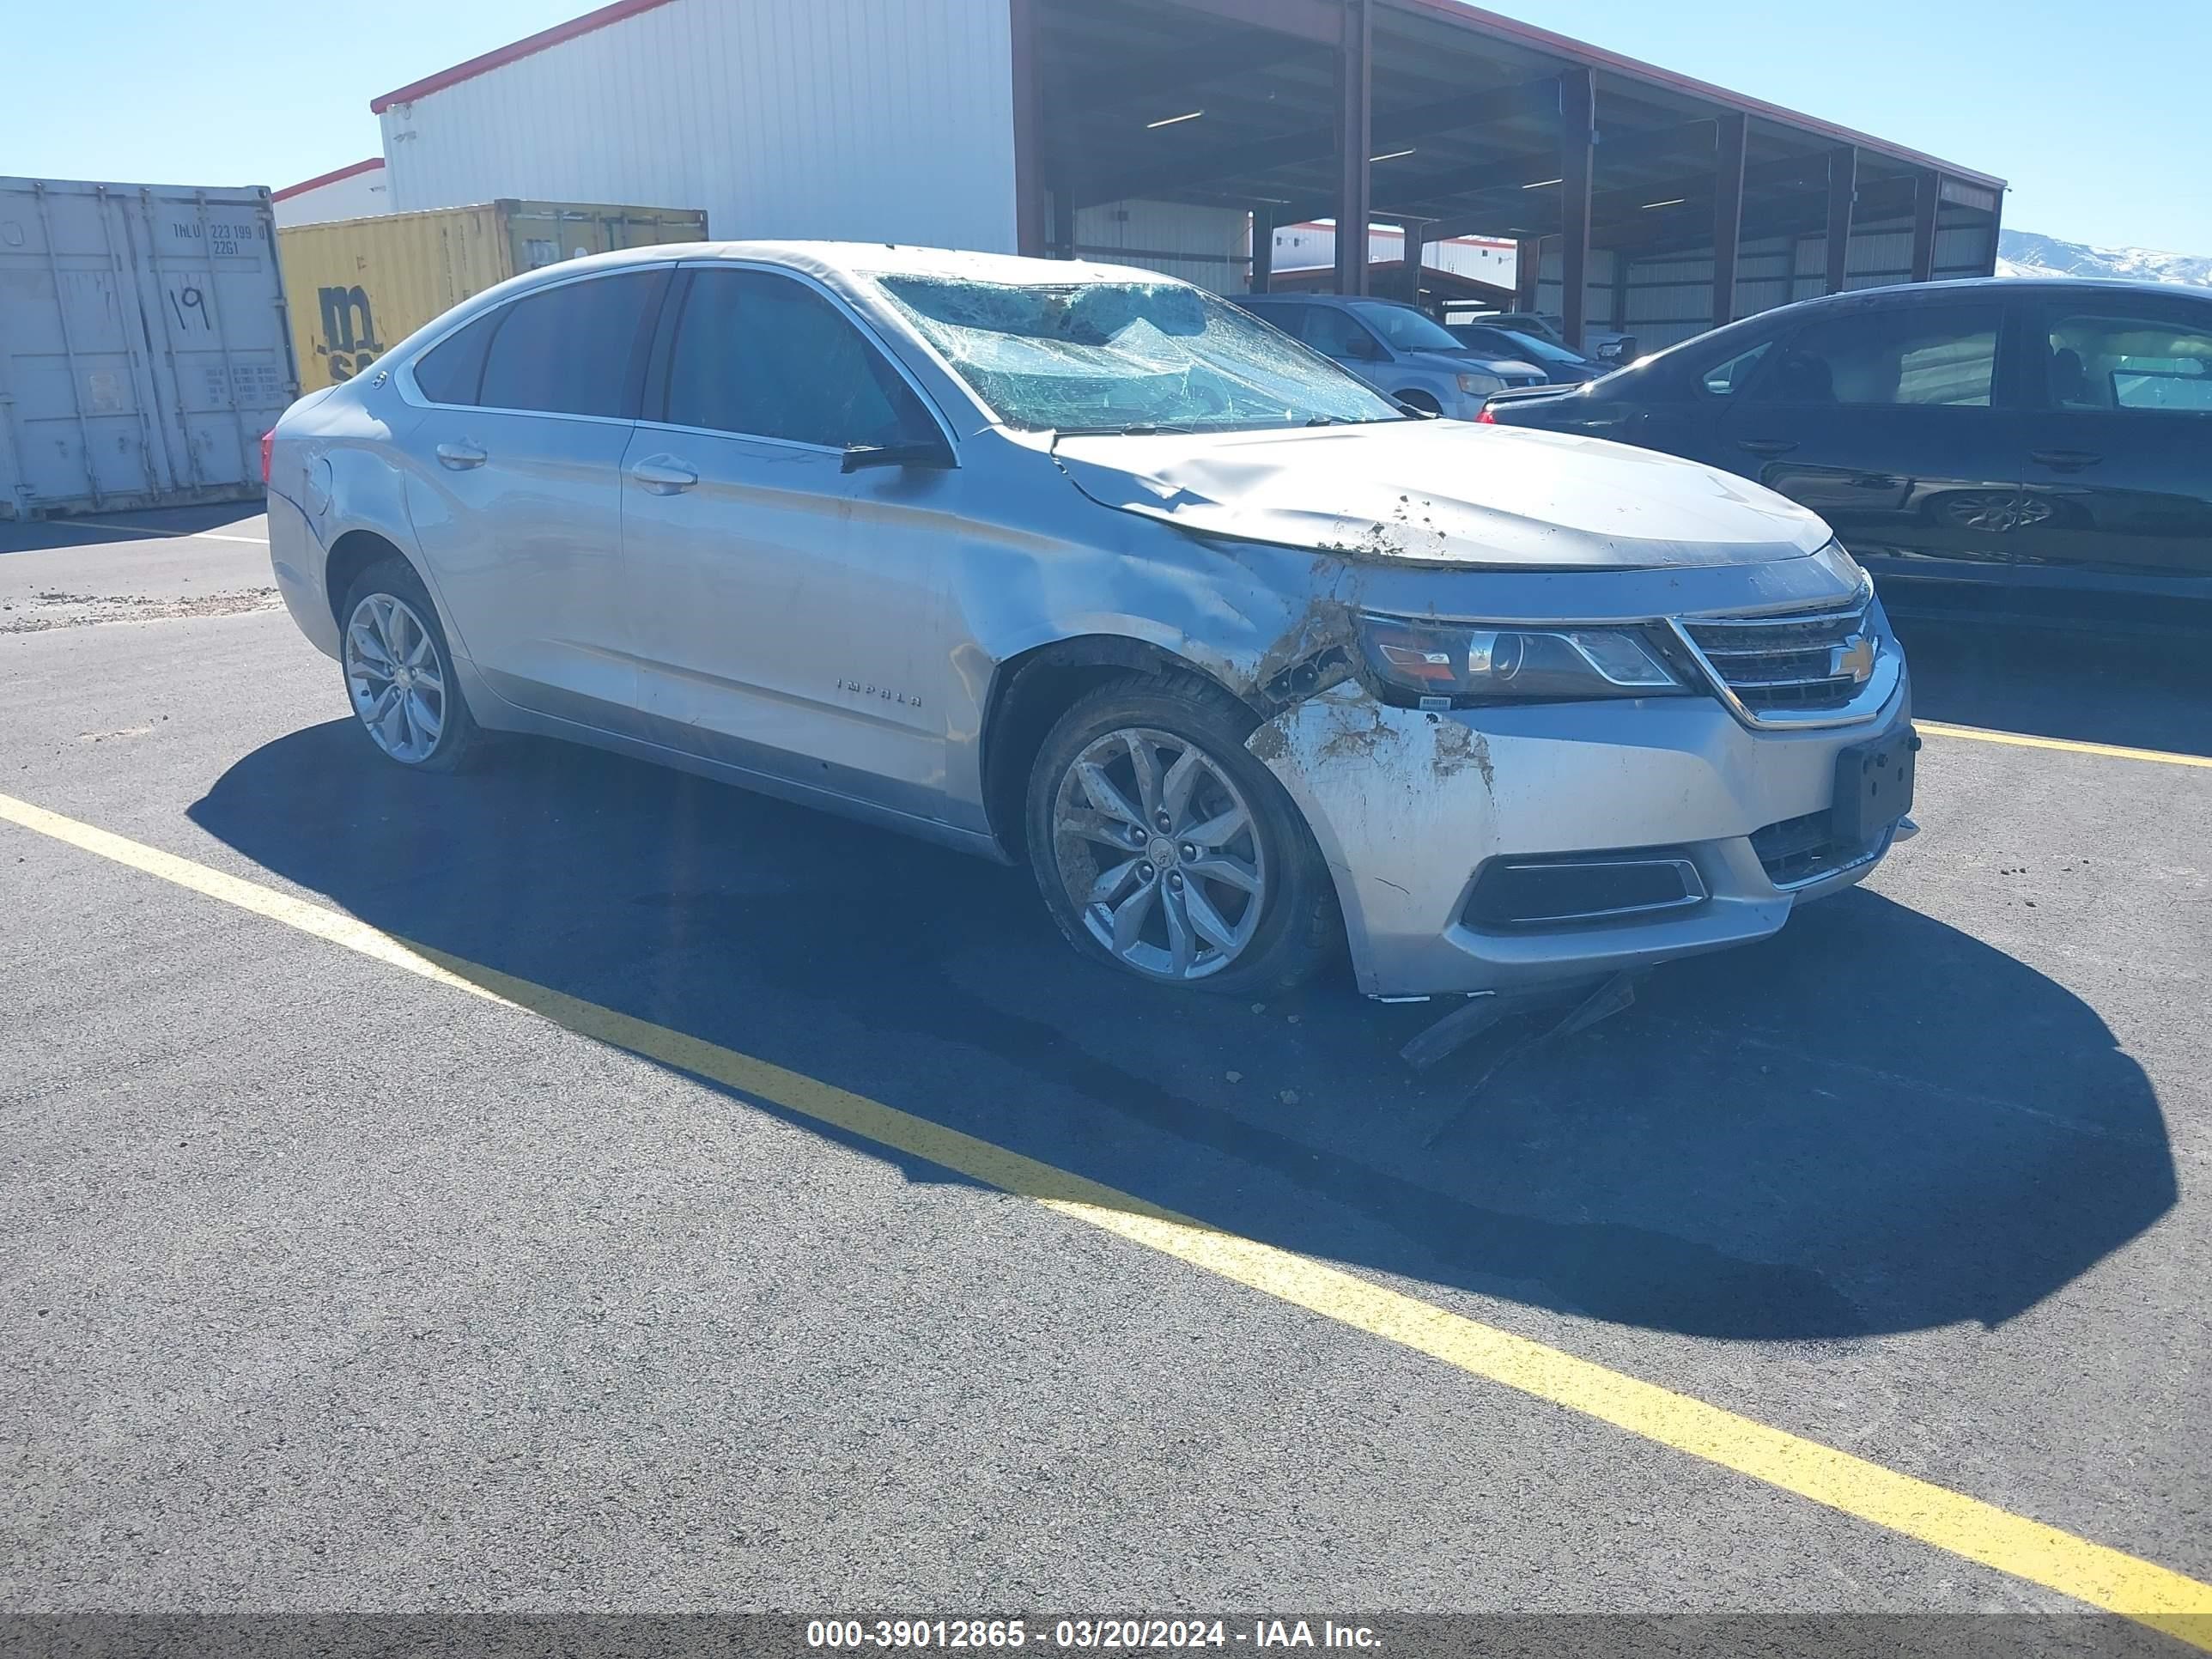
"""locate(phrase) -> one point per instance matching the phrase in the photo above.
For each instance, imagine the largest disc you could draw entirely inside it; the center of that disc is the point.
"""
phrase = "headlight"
(1441, 664)
(1478, 386)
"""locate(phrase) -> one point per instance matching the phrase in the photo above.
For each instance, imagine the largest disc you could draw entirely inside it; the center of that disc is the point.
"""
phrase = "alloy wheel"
(1160, 853)
(393, 675)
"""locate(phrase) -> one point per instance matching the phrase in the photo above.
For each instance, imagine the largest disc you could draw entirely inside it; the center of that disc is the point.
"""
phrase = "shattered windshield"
(1127, 356)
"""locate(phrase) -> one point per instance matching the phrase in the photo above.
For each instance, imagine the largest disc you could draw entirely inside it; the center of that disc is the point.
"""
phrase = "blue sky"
(2091, 111)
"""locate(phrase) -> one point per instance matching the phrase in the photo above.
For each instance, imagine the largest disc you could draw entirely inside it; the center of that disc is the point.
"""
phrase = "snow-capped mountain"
(2024, 253)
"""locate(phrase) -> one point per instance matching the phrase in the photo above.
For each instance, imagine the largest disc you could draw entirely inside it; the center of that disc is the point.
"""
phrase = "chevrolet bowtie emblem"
(1854, 658)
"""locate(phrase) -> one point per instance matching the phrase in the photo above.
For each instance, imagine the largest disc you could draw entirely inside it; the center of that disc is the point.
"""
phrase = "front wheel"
(1163, 846)
(399, 673)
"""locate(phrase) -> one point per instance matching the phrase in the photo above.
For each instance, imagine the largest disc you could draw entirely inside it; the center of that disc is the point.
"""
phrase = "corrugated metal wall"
(844, 118)
(1665, 302)
(1598, 285)
(1209, 246)
(355, 196)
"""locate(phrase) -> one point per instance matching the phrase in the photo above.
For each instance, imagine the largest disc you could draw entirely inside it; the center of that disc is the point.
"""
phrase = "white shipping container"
(144, 344)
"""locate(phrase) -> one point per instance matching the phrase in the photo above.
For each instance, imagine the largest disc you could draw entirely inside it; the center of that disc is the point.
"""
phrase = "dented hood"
(1446, 493)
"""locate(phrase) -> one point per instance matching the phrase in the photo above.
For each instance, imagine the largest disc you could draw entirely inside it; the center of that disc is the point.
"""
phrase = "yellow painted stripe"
(2090, 1573)
(2020, 740)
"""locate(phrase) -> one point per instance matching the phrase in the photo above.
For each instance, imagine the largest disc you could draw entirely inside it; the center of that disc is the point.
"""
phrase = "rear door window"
(2102, 358)
(1917, 355)
(766, 357)
(1337, 334)
(1288, 317)
(1728, 378)
(451, 371)
(574, 350)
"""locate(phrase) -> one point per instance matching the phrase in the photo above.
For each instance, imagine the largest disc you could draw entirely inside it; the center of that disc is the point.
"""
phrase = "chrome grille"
(1794, 663)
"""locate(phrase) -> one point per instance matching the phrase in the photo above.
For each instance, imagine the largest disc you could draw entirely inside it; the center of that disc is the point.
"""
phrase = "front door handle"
(665, 475)
(460, 457)
(1766, 445)
(2065, 460)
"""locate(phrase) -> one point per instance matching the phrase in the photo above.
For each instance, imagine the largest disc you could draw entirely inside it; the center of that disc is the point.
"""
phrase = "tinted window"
(2100, 360)
(568, 350)
(1337, 334)
(1405, 328)
(451, 371)
(1915, 355)
(769, 357)
(1290, 319)
(1725, 379)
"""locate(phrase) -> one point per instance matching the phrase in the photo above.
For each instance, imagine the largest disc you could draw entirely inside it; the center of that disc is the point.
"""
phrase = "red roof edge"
(330, 178)
(526, 48)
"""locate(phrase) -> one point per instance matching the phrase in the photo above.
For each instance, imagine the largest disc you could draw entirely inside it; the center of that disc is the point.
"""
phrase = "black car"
(2041, 449)
(1562, 366)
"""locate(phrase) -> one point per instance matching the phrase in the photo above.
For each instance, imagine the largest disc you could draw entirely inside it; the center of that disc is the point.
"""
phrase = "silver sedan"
(1078, 566)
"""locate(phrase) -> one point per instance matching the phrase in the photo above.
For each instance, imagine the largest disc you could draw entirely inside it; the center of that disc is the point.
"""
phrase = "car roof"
(1339, 300)
(869, 259)
(1908, 292)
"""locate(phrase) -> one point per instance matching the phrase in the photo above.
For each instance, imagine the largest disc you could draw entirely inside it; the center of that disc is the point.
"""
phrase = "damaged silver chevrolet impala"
(1075, 565)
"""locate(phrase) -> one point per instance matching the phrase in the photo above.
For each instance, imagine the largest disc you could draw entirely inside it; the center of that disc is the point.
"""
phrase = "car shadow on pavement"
(1872, 1123)
(104, 529)
(2149, 692)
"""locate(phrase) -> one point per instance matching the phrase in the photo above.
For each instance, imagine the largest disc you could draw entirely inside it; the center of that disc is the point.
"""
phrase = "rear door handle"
(1766, 445)
(460, 457)
(2065, 460)
(665, 475)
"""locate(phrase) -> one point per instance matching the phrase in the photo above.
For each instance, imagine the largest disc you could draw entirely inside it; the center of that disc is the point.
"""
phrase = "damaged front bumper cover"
(1415, 810)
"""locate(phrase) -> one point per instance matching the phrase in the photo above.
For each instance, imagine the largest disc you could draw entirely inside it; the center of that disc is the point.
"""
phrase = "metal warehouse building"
(1177, 134)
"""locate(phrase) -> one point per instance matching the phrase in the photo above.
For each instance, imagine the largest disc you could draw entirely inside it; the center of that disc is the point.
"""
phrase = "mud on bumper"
(1412, 808)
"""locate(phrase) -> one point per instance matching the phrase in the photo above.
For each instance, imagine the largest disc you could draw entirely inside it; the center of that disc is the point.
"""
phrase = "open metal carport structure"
(1638, 199)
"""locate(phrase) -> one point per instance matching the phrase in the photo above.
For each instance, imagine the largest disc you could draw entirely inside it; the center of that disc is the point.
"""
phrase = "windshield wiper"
(1134, 429)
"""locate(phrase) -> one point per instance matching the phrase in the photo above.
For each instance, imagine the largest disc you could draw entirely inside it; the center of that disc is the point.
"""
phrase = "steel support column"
(1577, 158)
(1409, 260)
(1354, 131)
(1927, 197)
(1030, 203)
(1528, 267)
(1728, 211)
(1842, 190)
(1263, 249)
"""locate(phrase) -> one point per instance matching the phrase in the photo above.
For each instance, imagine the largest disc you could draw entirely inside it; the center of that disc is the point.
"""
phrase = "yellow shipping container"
(358, 287)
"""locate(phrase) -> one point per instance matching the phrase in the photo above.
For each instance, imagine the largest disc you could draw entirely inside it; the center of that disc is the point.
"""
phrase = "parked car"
(1606, 346)
(2039, 449)
(1560, 365)
(1399, 350)
(1079, 565)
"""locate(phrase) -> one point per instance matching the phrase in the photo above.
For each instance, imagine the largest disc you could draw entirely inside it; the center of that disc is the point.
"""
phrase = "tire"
(387, 609)
(1232, 824)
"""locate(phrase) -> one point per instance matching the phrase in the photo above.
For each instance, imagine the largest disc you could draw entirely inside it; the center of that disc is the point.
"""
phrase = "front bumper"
(1408, 807)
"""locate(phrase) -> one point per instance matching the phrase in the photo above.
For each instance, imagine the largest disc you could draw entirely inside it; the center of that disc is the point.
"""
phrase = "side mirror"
(927, 453)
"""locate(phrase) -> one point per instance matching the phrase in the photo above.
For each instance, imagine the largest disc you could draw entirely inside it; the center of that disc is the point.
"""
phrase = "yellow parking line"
(2091, 1573)
(2112, 750)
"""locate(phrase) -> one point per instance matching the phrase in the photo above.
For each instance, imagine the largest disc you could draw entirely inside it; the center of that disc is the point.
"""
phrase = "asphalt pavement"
(332, 1285)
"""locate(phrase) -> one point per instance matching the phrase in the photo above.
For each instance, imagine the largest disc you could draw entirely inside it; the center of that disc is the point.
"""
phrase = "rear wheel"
(1163, 846)
(399, 673)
